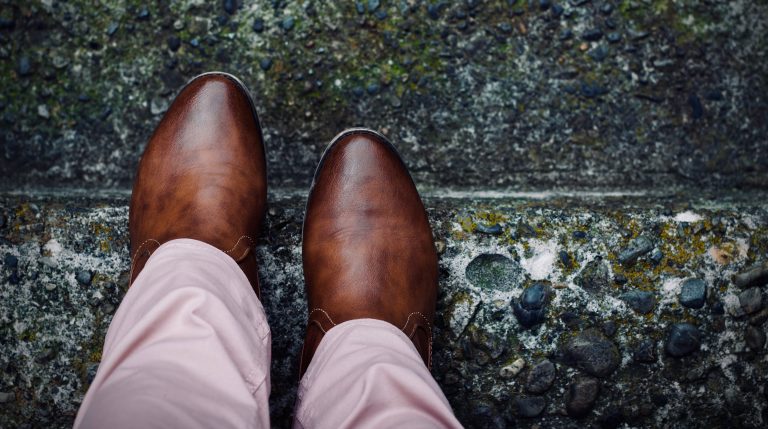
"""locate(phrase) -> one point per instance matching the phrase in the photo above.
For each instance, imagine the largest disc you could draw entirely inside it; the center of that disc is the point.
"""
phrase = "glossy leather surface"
(202, 175)
(368, 248)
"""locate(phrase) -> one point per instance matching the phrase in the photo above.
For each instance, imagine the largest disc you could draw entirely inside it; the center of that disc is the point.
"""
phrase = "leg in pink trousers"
(189, 347)
(366, 373)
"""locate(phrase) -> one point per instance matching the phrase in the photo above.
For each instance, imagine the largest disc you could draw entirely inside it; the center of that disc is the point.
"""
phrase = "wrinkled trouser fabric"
(190, 347)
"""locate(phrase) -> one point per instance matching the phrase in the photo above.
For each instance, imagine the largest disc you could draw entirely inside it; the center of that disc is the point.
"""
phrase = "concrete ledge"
(602, 273)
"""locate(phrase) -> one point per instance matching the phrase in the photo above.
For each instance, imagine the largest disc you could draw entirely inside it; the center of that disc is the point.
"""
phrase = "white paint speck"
(54, 248)
(542, 264)
(687, 216)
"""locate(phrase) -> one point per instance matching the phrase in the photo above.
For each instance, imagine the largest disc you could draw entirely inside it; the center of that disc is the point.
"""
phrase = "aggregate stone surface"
(64, 266)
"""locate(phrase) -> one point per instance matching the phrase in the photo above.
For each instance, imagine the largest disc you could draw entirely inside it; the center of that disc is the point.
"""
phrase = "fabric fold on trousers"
(188, 347)
(367, 373)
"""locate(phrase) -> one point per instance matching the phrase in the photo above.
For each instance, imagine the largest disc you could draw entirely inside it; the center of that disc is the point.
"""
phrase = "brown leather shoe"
(202, 175)
(368, 249)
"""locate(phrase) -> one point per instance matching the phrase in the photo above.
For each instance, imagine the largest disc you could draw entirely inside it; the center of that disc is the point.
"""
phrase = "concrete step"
(612, 266)
(473, 93)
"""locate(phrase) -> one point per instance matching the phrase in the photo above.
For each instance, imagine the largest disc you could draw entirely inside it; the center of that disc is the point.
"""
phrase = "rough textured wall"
(493, 93)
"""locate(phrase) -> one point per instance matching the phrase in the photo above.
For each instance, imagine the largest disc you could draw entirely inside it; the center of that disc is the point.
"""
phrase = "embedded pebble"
(493, 271)
(540, 377)
(642, 302)
(511, 370)
(581, 396)
(84, 277)
(636, 248)
(595, 277)
(530, 308)
(756, 275)
(6, 397)
(683, 339)
(755, 338)
(693, 293)
(529, 406)
(593, 353)
(495, 229)
(751, 300)
(645, 351)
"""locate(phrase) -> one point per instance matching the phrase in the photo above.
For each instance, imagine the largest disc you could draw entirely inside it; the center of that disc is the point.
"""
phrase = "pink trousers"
(190, 347)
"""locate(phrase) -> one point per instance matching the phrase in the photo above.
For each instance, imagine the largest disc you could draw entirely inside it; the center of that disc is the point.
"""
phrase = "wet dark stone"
(606, 8)
(592, 35)
(683, 339)
(530, 309)
(288, 23)
(593, 90)
(493, 271)
(579, 235)
(759, 318)
(565, 259)
(25, 66)
(265, 63)
(373, 88)
(230, 6)
(656, 256)
(756, 275)
(380, 14)
(599, 53)
(751, 300)
(359, 7)
(14, 278)
(595, 277)
(434, 9)
(693, 293)
(565, 34)
(697, 110)
(258, 25)
(578, 2)
(529, 406)
(755, 338)
(373, 5)
(557, 10)
(645, 351)
(581, 396)
(540, 377)
(358, 91)
(489, 229)
(84, 277)
(174, 43)
(544, 4)
(143, 14)
(642, 302)
(11, 261)
(614, 37)
(593, 353)
(112, 28)
(636, 248)
(2, 221)
(609, 328)
(505, 27)
(638, 35)
(620, 279)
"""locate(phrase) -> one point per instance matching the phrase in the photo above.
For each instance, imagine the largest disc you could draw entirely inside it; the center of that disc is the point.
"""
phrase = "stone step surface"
(528, 93)
(555, 309)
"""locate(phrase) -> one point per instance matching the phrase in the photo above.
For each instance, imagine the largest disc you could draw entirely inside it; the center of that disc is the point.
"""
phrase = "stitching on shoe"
(251, 240)
(138, 251)
(318, 322)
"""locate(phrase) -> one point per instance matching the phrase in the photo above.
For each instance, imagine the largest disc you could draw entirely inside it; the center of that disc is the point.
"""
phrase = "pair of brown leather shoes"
(367, 244)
